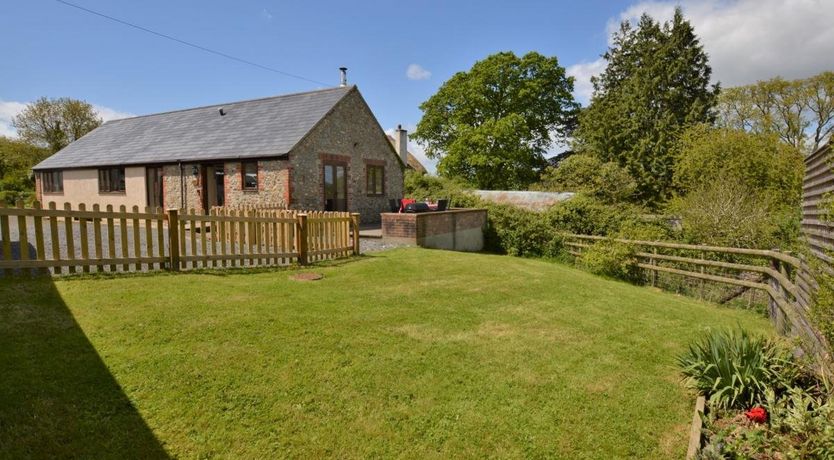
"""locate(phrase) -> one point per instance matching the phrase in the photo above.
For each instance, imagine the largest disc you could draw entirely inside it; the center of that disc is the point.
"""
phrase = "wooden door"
(153, 186)
(335, 187)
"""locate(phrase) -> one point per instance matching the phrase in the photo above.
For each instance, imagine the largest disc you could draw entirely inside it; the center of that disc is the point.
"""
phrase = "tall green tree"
(800, 112)
(16, 160)
(54, 123)
(491, 126)
(656, 83)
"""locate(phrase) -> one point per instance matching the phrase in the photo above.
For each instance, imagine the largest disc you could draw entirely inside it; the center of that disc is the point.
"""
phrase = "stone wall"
(173, 190)
(350, 135)
(273, 184)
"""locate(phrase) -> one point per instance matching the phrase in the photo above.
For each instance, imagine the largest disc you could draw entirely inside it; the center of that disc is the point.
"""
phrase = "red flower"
(757, 414)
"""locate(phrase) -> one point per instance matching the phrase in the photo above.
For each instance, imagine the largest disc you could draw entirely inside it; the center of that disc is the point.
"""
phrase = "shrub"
(589, 216)
(737, 188)
(733, 369)
(515, 231)
(613, 259)
(727, 213)
(587, 174)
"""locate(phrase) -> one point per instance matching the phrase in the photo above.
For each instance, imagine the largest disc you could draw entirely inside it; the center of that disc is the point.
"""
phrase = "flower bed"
(761, 402)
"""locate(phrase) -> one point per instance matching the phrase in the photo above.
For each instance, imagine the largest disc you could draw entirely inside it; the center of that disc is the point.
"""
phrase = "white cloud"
(746, 40)
(750, 40)
(9, 109)
(107, 114)
(415, 149)
(417, 72)
(582, 73)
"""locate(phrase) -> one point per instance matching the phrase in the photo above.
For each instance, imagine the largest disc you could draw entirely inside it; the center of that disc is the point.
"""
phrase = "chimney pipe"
(401, 141)
(343, 71)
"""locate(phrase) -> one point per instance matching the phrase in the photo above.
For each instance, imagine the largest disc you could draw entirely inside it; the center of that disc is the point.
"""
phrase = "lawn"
(410, 353)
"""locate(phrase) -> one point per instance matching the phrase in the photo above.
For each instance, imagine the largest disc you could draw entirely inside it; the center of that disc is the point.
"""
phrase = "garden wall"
(455, 229)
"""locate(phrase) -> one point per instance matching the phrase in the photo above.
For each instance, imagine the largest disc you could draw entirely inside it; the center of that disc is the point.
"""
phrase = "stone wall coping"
(433, 213)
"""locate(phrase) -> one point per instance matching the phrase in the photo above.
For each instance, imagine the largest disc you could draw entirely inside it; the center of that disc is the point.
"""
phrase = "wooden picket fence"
(94, 240)
(787, 280)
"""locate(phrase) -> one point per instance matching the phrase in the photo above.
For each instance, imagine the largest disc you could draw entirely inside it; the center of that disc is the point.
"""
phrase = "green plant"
(802, 423)
(610, 258)
(733, 369)
(588, 174)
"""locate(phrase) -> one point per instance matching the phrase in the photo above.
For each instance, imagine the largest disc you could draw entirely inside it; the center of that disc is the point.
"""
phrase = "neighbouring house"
(318, 150)
(400, 138)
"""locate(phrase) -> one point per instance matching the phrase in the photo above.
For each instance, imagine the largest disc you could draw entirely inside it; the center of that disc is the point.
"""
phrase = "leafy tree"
(587, 174)
(737, 188)
(800, 112)
(491, 126)
(656, 83)
(54, 123)
(759, 162)
(16, 161)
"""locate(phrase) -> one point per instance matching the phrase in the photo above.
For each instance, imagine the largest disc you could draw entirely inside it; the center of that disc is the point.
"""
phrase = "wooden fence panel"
(75, 238)
(92, 240)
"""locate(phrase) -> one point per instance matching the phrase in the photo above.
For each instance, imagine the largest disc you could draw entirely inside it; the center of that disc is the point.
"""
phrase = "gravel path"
(376, 244)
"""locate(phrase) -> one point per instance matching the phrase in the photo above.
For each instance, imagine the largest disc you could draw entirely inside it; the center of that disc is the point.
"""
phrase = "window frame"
(372, 173)
(49, 184)
(112, 185)
(243, 185)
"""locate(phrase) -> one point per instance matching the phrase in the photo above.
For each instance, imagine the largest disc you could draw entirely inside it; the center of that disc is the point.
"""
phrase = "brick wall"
(400, 226)
(457, 229)
(351, 134)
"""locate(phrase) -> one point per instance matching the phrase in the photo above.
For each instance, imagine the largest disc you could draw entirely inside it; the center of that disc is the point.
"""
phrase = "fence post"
(654, 272)
(302, 239)
(354, 222)
(173, 240)
(773, 307)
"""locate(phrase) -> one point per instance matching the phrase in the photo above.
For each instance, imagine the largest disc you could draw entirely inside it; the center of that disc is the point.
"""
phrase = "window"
(249, 170)
(375, 180)
(52, 182)
(111, 180)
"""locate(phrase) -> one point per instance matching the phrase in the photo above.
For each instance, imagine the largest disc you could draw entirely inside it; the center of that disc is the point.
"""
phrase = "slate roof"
(265, 127)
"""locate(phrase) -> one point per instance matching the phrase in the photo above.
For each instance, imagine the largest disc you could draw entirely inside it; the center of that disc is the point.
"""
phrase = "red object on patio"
(406, 201)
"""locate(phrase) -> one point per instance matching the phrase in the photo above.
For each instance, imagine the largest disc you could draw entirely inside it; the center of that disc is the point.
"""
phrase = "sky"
(398, 54)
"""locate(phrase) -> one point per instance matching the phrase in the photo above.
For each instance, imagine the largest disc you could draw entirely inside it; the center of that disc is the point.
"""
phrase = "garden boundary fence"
(94, 240)
(787, 280)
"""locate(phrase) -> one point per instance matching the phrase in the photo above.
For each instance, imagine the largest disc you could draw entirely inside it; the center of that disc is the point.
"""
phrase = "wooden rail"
(788, 283)
(91, 240)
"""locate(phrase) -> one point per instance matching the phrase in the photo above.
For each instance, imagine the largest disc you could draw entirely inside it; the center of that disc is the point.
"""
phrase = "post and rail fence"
(85, 240)
(787, 280)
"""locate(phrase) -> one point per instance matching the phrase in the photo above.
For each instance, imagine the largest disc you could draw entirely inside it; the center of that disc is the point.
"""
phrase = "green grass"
(410, 353)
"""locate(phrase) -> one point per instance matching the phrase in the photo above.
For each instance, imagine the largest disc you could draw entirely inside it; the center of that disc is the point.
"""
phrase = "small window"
(111, 180)
(52, 182)
(249, 170)
(375, 180)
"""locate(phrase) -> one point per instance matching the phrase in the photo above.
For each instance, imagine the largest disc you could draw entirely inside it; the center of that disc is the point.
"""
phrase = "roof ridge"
(232, 102)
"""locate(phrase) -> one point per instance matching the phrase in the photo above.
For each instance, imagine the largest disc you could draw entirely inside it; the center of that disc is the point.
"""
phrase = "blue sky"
(55, 50)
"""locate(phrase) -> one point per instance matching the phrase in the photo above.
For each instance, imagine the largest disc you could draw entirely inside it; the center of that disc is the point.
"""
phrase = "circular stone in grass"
(306, 276)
